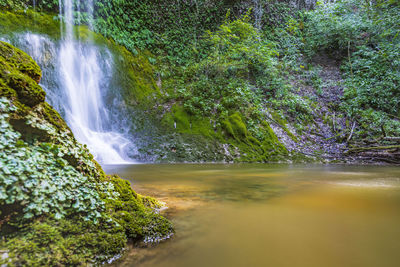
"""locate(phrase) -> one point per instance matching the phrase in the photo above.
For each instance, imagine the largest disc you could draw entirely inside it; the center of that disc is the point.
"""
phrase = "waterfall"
(77, 77)
(82, 80)
(258, 14)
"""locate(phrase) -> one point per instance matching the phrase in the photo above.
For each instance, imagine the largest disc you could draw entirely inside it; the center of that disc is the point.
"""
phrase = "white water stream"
(76, 78)
(81, 77)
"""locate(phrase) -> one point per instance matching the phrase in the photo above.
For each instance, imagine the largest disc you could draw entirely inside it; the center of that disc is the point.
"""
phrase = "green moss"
(28, 91)
(21, 74)
(244, 145)
(20, 21)
(134, 74)
(6, 91)
(181, 118)
(182, 122)
(150, 202)
(135, 213)
(235, 127)
(265, 148)
(49, 114)
(20, 61)
(84, 34)
(67, 242)
(203, 127)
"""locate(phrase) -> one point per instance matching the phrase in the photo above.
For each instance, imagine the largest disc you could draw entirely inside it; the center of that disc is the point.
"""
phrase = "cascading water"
(258, 14)
(77, 77)
(85, 110)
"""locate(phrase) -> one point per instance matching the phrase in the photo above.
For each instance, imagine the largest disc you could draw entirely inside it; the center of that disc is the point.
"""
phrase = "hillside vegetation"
(259, 80)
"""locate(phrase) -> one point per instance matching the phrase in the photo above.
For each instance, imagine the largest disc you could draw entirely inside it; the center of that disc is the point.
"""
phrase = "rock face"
(57, 207)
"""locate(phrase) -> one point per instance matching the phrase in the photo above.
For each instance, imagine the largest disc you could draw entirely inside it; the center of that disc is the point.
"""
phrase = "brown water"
(272, 215)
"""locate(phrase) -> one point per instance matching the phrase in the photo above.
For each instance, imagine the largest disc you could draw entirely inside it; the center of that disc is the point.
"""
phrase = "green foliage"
(126, 22)
(228, 85)
(332, 26)
(141, 24)
(39, 178)
(366, 37)
(12, 4)
(239, 67)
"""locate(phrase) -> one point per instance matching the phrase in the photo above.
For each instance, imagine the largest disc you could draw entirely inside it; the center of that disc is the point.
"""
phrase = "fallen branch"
(316, 133)
(393, 116)
(361, 149)
(392, 138)
(334, 122)
(349, 56)
(351, 133)
(334, 137)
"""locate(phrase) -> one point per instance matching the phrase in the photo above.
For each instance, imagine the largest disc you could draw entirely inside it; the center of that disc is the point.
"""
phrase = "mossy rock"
(185, 123)
(200, 134)
(20, 21)
(28, 91)
(235, 127)
(20, 61)
(6, 91)
(67, 242)
(135, 76)
(266, 148)
(48, 113)
(21, 75)
(135, 212)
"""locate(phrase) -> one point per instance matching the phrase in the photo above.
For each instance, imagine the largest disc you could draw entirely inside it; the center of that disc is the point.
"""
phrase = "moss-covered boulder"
(57, 206)
(20, 76)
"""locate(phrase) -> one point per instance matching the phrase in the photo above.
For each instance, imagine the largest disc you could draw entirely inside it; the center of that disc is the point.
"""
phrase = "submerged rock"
(57, 206)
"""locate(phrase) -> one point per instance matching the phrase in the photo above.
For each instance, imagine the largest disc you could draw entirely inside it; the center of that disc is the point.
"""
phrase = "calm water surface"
(271, 215)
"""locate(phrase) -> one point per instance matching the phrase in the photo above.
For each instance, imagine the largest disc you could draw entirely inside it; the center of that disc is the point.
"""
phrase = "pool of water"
(271, 215)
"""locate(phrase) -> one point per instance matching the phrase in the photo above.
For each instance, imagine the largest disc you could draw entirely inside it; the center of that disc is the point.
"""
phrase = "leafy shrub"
(367, 39)
(40, 179)
(223, 94)
(333, 27)
(240, 66)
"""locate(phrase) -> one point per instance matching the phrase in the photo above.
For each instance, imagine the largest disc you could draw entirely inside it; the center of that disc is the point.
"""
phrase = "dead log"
(362, 149)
